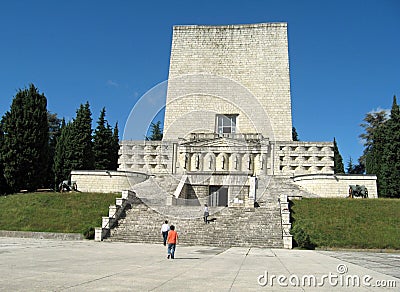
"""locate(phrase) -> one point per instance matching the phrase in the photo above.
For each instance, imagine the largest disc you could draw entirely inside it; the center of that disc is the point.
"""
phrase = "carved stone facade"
(245, 154)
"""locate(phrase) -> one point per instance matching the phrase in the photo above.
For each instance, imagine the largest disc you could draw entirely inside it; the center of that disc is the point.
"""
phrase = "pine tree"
(26, 136)
(355, 168)
(156, 132)
(103, 143)
(374, 140)
(338, 160)
(350, 166)
(390, 174)
(373, 121)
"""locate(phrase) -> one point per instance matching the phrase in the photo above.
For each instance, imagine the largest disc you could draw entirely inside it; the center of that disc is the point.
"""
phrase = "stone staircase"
(232, 226)
(260, 226)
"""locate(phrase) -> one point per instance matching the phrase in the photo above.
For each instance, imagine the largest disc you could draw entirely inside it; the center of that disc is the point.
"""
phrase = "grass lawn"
(329, 223)
(54, 212)
(349, 223)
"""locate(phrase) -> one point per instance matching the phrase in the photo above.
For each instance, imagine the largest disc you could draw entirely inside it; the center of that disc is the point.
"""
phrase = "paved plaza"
(55, 265)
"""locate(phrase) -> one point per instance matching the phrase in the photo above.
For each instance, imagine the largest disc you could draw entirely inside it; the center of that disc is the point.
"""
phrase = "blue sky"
(344, 55)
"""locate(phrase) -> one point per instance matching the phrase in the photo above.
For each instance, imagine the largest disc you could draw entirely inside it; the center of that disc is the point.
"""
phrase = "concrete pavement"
(53, 265)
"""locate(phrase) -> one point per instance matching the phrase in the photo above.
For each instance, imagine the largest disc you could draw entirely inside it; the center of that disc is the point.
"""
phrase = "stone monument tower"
(228, 123)
(240, 72)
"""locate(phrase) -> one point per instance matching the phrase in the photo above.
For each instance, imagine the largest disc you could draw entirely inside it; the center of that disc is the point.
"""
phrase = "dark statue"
(358, 191)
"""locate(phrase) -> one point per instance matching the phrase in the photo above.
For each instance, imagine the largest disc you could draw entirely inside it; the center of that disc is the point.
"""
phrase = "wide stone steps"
(232, 227)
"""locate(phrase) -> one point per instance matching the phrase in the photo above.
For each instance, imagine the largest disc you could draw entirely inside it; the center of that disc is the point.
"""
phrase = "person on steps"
(164, 231)
(206, 213)
(172, 240)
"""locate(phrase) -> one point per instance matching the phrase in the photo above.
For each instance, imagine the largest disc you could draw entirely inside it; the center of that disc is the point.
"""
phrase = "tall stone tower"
(228, 109)
(229, 79)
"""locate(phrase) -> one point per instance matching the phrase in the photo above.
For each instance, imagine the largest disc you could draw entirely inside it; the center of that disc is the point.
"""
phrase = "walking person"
(206, 213)
(172, 240)
(164, 231)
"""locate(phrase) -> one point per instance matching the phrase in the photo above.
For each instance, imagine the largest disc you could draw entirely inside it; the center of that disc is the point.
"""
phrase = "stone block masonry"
(105, 181)
(253, 56)
(336, 185)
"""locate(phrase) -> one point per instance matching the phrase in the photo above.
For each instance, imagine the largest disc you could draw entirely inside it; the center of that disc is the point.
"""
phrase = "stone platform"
(51, 265)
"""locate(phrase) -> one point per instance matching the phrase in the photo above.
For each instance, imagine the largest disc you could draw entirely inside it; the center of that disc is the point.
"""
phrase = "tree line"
(381, 155)
(39, 150)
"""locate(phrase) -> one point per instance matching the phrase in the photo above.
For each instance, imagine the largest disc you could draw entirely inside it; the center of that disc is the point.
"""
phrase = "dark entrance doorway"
(218, 196)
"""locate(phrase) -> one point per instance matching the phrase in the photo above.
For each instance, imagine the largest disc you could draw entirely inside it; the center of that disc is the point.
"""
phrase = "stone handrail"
(174, 199)
(114, 214)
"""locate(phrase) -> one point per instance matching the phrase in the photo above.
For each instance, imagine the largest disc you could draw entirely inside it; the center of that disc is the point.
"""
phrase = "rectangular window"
(226, 124)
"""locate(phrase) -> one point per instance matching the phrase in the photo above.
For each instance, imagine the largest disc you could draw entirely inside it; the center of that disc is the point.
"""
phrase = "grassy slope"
(350, 223)
(344, 223)
(54, 212)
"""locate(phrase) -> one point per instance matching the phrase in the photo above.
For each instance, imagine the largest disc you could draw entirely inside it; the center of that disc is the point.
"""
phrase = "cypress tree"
(338, 160)
(156, 132)
(3, 183)
(360, 167)
(295, 136)
(63, 153)
(103, 140)
(114, 160)
(74, 149)
(26, 136)
(81, 144)
(54, 134)
(390, 173)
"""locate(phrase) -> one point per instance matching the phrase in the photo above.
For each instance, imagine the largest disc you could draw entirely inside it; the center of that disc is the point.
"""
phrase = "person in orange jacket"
(172, 240)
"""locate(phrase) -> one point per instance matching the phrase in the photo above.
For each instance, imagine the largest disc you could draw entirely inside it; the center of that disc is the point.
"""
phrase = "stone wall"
(102, 181)
(336, 185)
(234, 69)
